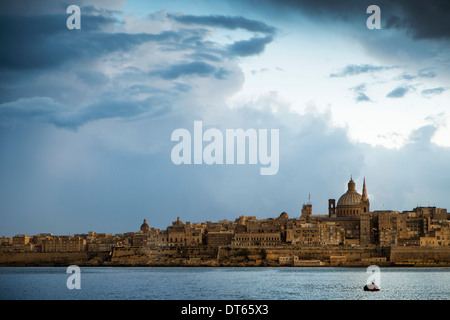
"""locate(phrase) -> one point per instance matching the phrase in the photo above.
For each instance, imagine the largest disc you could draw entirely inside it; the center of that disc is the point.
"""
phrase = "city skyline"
(349, 235)
(298, 215)
(87, 115)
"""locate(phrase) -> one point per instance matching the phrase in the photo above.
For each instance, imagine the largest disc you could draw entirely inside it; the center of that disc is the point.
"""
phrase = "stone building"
(19, 243)
(64, 244)
(315, 231)
(437, 238)
(149, 237)
(180, 234)
(248, 239)
(250, 231)
(219, 238)
(416, 227)
(20, 239)
(388, 228)
(331, 233)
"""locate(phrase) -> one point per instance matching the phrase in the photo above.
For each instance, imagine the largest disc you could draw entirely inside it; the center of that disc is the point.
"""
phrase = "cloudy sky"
(86, 116)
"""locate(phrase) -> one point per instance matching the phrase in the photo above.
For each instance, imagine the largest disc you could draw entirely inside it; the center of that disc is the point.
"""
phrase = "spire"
(364, 192)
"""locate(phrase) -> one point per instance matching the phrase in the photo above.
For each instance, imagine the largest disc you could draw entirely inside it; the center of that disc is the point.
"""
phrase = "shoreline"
(191, 257)
(201, 266)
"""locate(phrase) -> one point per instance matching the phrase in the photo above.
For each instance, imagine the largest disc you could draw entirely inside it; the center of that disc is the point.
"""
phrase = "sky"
(86, 116)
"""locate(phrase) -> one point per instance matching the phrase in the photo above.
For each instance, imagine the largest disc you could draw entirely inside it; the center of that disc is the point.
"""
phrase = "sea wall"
(244, 256)
(236, 256)
(420, 255)
(50, 259)
(348, 256)
(165, 256)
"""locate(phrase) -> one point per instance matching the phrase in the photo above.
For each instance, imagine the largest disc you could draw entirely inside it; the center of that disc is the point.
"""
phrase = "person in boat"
(371, 287)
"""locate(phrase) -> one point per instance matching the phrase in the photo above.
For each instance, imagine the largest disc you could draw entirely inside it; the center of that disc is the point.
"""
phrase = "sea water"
(223, 283)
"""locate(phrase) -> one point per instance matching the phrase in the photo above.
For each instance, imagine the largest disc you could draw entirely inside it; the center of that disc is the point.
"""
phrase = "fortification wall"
(417, 255)
(233, 256)
(164, 256)
(49, 259)
(270, 256)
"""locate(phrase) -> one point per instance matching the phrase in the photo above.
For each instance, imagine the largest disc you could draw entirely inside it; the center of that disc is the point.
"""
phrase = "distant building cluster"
(348, 223)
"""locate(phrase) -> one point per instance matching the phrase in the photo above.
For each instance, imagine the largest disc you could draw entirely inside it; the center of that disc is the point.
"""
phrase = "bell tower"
(365, 204)
(307, 209)
(331, 208)
(365, 218)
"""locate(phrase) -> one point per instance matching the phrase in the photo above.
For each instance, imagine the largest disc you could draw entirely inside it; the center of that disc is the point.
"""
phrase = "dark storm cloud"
(46, 110)
(33, 7)
(39, 108)
(37, 48)
(231, 23)
(242, 48)
(250, 47)
(421, 19)
(108, 109)
(424, 19)
(90, 9)
(196, 68)
(204, 56)
(352, 70)
(30, 42)
(92, 77)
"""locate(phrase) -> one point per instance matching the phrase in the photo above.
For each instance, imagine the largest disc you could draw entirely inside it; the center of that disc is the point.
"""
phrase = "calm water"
(224, 283)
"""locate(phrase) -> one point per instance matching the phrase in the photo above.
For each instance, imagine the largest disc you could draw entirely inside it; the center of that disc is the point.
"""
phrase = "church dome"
(351, 203)
(145, 227)
(284, 215)
(350, 198)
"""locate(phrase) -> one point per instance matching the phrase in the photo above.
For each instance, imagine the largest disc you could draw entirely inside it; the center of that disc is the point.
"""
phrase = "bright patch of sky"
(297, 66)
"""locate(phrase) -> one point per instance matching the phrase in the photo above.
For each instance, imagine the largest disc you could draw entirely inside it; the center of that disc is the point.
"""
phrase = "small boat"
(371, 287)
